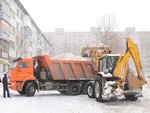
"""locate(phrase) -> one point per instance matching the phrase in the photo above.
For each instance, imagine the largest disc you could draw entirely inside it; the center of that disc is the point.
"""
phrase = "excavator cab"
(107, 63)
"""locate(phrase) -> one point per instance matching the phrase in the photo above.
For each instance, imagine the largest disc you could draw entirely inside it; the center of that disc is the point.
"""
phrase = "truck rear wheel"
(90, 90)
(131, 97)
(98, 86)
(74, 88)
(84, 87)
(30, 89)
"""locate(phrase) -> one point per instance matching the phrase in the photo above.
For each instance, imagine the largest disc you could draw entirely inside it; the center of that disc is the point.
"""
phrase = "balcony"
(27, 32)
(4, 16)
(4, 35)
(27, 21)
(18, 34)
(3, 49)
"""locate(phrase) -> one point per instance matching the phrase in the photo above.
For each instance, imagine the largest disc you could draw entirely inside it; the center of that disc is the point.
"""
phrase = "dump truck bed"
(67, 69)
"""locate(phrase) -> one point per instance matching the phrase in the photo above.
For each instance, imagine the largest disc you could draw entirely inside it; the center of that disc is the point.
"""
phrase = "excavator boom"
(122, 65)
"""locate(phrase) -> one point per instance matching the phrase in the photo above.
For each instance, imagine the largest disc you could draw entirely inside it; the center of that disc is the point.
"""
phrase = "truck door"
(24, 69)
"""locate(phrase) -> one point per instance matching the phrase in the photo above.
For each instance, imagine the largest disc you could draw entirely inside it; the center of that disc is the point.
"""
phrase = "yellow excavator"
(114, 77)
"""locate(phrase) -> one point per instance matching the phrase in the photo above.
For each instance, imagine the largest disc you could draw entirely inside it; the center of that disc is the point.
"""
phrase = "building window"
(21, 43)
(5, 8)
(12, 13)
(5, 23)
(18, 27)
(5, 68)
(18, 12)
(17, 54)
(21, 17)
(4, 45)
(12, 29)
(11, 44)
(17, 40)
(30, 43)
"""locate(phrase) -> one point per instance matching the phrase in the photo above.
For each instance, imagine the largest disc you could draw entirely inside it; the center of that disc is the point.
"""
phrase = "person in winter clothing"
(5, 86)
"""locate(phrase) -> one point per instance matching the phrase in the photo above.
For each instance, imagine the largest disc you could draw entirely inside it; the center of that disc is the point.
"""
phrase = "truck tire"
(131, 97)
(90, 90)
(30, 89)
(84, 87)
(22, 92)
(98, 87)
(74, 88)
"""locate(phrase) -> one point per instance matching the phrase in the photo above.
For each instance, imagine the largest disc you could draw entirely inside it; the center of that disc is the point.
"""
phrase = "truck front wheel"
(30, 89)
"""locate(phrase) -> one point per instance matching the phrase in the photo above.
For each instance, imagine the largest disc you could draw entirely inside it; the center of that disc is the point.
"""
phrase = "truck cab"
(20, 73)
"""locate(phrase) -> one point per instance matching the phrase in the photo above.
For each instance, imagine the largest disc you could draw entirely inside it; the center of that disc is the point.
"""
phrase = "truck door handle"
(19, 70)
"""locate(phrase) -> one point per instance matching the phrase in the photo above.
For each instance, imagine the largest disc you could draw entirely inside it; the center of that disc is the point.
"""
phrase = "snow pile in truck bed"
(96, 44)
(68, 56)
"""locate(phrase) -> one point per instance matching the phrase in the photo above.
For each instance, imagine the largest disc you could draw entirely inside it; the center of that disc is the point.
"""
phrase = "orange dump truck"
(42, 73)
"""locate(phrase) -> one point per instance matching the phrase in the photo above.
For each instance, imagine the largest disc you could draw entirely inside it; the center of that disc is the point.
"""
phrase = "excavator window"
(108, 63)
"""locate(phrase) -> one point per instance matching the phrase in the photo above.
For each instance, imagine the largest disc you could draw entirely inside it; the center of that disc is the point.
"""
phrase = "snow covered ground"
(54, 102)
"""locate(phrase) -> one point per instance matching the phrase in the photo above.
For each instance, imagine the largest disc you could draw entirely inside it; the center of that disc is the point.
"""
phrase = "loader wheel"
(90, 90)
(74, 88)
(30, 89)
(98, 87)
(131, 97)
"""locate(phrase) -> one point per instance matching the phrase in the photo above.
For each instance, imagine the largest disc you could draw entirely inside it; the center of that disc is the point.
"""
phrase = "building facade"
(19, 34)
(73, 42)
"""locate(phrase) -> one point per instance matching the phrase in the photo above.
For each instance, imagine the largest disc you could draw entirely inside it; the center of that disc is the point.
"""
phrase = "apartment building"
(73, 42)
(64, 42)
(19, 34)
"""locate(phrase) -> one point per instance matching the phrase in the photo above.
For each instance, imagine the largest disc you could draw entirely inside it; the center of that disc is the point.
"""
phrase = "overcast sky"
(80, 15)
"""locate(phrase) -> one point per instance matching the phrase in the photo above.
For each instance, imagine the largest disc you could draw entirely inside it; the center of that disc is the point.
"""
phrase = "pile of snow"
(68, 56)
(96, 44)
(146, 88)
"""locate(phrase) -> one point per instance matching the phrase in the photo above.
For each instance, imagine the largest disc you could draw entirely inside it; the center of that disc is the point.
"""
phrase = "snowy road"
(53, 102)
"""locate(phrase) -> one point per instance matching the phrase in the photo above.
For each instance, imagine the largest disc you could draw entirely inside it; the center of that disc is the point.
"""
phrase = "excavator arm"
(123, 62)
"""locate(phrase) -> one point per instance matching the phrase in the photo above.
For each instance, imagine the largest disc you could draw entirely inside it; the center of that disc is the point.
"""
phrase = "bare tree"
(106, 24)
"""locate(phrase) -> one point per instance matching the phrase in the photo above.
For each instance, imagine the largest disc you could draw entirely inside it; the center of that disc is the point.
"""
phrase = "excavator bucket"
(133, 81)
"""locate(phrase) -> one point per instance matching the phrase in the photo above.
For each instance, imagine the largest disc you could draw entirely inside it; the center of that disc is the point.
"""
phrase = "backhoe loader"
(114, 77)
